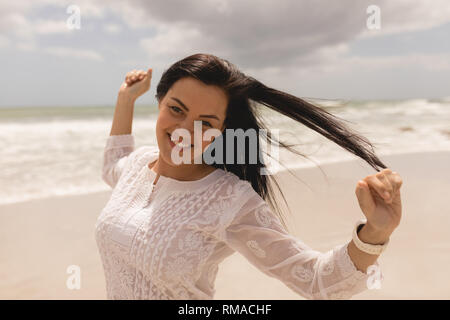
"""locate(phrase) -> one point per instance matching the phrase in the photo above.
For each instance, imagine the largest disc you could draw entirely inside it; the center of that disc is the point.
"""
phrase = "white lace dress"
(168, 243)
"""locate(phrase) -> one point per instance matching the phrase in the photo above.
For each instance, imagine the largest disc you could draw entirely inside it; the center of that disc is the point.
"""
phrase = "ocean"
(49, 151)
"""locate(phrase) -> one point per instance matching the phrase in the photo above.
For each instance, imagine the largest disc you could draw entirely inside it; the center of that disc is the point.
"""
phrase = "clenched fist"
(136, 83)
(380, 200)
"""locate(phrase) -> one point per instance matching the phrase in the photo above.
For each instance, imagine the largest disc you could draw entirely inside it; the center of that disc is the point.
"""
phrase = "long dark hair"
(245, 95)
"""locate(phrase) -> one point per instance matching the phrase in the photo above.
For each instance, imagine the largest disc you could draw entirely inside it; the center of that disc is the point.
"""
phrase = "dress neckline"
(181, 185)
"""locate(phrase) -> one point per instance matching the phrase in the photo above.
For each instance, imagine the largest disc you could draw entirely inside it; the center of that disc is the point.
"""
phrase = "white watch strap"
(375, 249)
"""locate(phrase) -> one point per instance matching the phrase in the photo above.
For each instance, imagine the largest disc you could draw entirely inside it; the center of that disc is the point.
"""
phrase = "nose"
(187, 125)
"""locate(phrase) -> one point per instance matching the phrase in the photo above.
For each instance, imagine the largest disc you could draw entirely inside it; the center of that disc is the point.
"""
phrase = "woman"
(168, 225)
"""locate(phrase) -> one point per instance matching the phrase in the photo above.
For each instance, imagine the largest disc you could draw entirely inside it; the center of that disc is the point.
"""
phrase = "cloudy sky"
(312, 48)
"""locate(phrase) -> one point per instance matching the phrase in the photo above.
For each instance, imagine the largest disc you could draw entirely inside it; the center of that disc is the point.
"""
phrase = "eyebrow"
(187, 109)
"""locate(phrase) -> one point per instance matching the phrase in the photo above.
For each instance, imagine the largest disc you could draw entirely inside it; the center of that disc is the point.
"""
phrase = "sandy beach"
(41, 238)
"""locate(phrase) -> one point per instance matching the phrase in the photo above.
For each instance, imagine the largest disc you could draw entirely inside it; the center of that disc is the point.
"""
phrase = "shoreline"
(305, 165)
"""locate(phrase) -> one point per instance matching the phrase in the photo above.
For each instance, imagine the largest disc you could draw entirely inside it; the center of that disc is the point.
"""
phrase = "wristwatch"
(375, 249)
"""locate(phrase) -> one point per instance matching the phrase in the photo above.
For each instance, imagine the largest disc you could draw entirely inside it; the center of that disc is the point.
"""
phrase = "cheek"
(163, 124)
(164, 120)
(158, 128)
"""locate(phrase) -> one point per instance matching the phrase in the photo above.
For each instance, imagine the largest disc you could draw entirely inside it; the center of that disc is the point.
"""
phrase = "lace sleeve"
(257, 233)
(117, 150)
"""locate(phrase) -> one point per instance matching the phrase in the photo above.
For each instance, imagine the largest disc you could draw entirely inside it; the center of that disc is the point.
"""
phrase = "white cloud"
(15, 15)
(429, 62)
(16, 24)
(340, 75)
(280, 42)
(26, 46)
(255, 34)
(112, 28)
(4, 41)
(73, 53)
(174, 42)
(275, 34)
(408, 16)
(51, 27)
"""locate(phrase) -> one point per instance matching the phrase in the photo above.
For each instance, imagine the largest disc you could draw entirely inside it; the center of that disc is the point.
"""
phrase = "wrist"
(369, 234)
(125, 98)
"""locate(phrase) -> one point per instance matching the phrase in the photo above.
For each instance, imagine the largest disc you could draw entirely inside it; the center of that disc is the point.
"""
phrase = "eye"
(175, 109)
(206, 123)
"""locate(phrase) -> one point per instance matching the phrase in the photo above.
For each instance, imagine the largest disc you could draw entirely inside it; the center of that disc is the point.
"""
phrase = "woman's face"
(189, 100)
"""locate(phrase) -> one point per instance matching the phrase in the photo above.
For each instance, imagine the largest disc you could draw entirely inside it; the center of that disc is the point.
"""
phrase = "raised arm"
(120, 143)
(136, 83)
(257, 233)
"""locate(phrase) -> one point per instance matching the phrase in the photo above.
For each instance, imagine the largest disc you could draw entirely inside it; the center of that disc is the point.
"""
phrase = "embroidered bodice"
(167, 243)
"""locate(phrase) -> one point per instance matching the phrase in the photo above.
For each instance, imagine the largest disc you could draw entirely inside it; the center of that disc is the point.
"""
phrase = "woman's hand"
(379, 199)
(136, 83)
